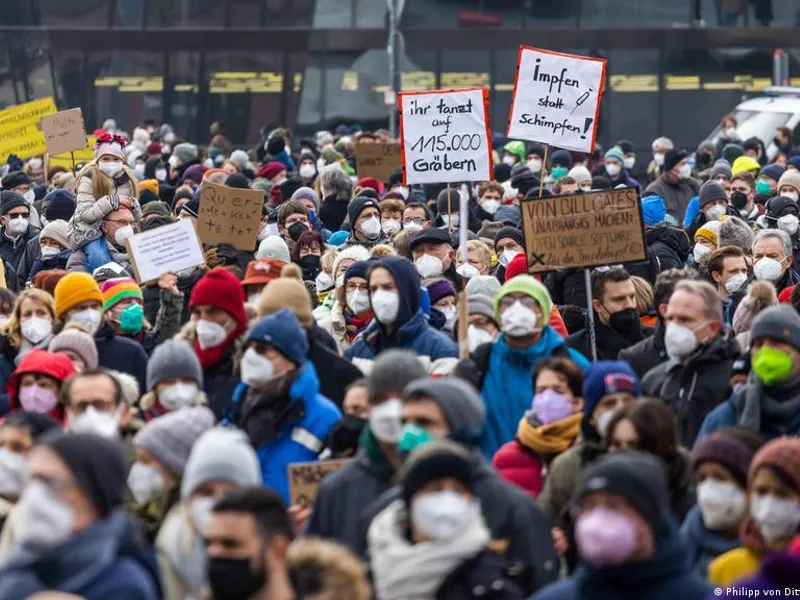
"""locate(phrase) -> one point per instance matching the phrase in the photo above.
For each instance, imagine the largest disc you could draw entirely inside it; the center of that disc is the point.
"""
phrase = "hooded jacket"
(44, 363)
(670, 246)
(703, 545)
(692, 389)
(411, 329)
(334, 373)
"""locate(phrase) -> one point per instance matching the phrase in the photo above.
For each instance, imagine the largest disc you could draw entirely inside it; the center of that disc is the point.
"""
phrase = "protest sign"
(444, 136)
(64, 131)
(20, 132)
(378, 160)
(83, 155)
(305, 479)
(166, 249)
(583, 230)
(229, 216)
(556, 99)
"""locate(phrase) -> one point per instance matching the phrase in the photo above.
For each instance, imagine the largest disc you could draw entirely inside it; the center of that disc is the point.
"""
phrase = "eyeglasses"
(98, 405)
(417, 221)
(526, 301)
(18, 216)
(355, 287)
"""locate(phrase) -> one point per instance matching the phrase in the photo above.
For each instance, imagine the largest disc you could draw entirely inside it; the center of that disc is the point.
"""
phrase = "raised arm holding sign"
(229, 216)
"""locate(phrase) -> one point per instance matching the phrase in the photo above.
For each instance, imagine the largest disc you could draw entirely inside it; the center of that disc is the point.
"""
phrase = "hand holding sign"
(64, 131)
(229, 216)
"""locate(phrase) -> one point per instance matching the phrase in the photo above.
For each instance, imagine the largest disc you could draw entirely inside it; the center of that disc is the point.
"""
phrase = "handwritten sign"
(82, 155)
(20, 131)
(583, 230)
(64, 131)
(378, 160)
(445, 137)
(229, 215)
(166, 249)
(556, 99)
(305, 479)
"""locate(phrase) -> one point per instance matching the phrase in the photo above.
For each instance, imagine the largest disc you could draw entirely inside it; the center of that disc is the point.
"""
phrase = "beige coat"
(335, 325)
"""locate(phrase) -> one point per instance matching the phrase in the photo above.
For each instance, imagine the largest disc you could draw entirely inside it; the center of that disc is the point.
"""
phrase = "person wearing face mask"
(616, 322)
(547, 429)
(433, 256)
(767, 182)
(534, 160)
(720, 463)
(36, 384)
(626, 537)
(789, 184)
(616, 172)
(351, 312)
(19, 183)
(343, 494)
(482, 327)
(292, 221)
(706, 241)
(514, 153)
(16, 230)
(342, 260)
(656, 166)
(174, 381)
(479, 260)
(767, 402)
(449, 214)
(490, 199)
(221, 461)
(52, 251)
(364, 216)
(278, 403)
(394, 287)
(508, 242)
(781, 212)
(728, 269)
(773, 486)
(392, 206)
(433, 541)
(675, 185)
(773, 260)
(59, 206)
(701, 350)
(307, 254)
(342, 441)
(77, 345)
(218, 321)
(70, 519)
(259, 273)
(183, 156)
(444, 301)
(713, 202)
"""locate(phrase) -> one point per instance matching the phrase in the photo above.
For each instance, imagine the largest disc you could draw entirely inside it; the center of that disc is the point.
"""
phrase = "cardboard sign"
(64, 131)
(81, 156)
(166, 249)
(378, 160)
(445, 136)
(229, 216)
(305, 479)
(556, 99)
(583, 230)
(20, 132)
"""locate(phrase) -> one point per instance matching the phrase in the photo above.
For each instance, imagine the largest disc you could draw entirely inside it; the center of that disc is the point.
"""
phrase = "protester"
(321, 567)
(78, 346)
(35, 385)
(15, 213)
(675, 184)
(351, 312)
(174, 380)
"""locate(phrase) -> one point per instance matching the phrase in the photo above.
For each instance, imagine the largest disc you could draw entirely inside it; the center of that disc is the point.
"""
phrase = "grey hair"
(335, 181)
(663, 141)
(778, 234)
(735, 232)
(712, 303)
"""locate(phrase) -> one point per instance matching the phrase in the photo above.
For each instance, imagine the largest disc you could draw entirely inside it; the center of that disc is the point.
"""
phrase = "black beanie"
(357, 206)
(509, 232)
(639, 478)
(237, 180)
(432, 461)
(98, 465)
(672, 157)
(10, 201)
(289, 187)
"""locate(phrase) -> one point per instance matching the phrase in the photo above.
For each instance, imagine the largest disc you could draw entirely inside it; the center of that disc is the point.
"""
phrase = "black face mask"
(738, 200)
(297, 229)
(624, 321)
(343, 438)
(234, 579)
(312, 264)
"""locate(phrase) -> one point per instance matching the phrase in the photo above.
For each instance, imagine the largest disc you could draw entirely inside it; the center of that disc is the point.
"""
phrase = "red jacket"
(57, 366)
(520, 466)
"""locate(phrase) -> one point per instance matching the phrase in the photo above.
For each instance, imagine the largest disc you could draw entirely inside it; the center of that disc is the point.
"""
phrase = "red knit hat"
(782, 454)
(517, 266)
(54, 365)
(269, 170)
(370, 182)
(220, 288)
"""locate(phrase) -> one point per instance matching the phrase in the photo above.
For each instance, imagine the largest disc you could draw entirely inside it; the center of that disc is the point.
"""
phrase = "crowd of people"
(148, 429)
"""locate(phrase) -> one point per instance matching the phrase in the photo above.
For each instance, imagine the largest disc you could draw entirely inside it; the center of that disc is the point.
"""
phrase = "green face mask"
(762, 187)
(131, 319)
(772, 366)
(413, 436)
(559, 172)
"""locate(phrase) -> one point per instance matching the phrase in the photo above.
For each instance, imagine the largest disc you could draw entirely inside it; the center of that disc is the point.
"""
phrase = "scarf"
(268, 412)
(355, 324)
(551, 439)
(26, 347)
(186, 551)
(210, 357)
(769, 408)
(406, 571)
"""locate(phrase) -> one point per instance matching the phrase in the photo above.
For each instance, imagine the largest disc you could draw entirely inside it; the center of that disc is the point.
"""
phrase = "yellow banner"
(83, 155)
(19, 128)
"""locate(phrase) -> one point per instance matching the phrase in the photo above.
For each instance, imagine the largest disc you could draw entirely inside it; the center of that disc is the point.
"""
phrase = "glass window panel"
(76, 13)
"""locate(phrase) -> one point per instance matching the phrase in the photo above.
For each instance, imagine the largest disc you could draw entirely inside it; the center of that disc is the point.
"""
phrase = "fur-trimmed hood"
(323, 570)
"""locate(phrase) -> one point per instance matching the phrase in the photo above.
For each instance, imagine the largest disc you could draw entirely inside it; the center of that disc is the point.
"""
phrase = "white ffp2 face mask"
(178, 395)
(36, 329)
(385, 305)
(679, 340)
(767, 269)
(144, 482)
(777, 518)
(385, 420)
(723, 504)
(477, 337)
(371, 228)
(519, 320)
(45, 520)
(256, 370)
(99, 423)
(442, 515)
(89, 318)
(210, 334)
(357, 301)
(429, 266)
(112, 169)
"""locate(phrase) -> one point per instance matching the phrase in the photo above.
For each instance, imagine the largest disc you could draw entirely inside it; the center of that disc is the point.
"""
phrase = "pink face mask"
(605, 537)
(550, 406)
(37, 399)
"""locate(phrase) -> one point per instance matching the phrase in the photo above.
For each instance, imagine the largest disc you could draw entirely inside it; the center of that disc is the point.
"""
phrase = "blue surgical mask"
(653, 210)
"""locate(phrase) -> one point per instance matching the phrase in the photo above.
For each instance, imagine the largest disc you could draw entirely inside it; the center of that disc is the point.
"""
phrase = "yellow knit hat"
(75, 288)
(709, 232)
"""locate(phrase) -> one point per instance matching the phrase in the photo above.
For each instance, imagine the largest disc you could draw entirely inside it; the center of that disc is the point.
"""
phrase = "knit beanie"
(727, 450)
(117, 290)
(111, 147)
(607, 377)
(783, 455)
(193, 173)
(357, 206)
(275, 247)
(439, 459)
(150, 185)
(170, 437)
(760, 296)
(391, 372)
(76, 341)
(735, 232)
(355, 253)
(481, 305)
(240, 158)
(561, 158)
(271, 169)
(220, 288)
(731, 152)
(709, 232)
(790, 177)
(774, 172)
(721, 167)
(10, 200)
(672, 157)
(517, 266)
(58, 231)
(616, 153)
(15, 178)
(185, 152)
(156, 208)
(73, 289)
(482, 285)
(580, 174)
(224, 454)
(282, 331)
(745, 163)
(530, 286)
(639, 478)
(173, 358)
(358, 269)
(511, 233)
(306, 193)
(60, 204)
(441, 288)
(780, 323)
(711, 191)
(461, 405)
(286, 292)
(97, 463)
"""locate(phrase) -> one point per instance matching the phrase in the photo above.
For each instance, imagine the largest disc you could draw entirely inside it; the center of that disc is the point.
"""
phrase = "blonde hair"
(102, 184)
(484, 254)
(382, 251)
(644, 295)
(328, 258)
(13, 327)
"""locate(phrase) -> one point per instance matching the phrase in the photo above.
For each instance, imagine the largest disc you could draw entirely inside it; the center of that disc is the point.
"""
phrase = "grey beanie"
(780, 323)
(711, 191)
(735, 232)
(481, 305)
(721, 167)
(173, 358)
(77, 341)
(484, 285)
(224, 454)
(170, 437)
(186, 152)
(391, 372)
(462, 407)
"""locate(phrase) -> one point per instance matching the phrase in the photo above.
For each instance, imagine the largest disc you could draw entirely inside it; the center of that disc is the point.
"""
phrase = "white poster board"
(556, 99)
(166, 249)
(444, 136)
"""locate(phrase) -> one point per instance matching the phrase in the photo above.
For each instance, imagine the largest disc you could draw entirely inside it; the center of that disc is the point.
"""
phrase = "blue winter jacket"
(702, 544)
(301, 440)
(508, 386)
(412, 329)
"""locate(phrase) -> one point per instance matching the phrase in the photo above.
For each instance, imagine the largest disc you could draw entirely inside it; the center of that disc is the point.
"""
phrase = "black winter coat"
(692, 389)
(647, 354)
(121, 354)
(335, 373)
(12, 251)
(485, 576)
(609, 342)
(219, 384)
(333, 212)
(670, 246)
